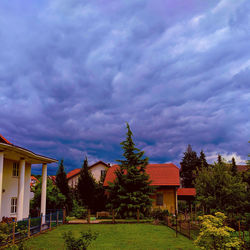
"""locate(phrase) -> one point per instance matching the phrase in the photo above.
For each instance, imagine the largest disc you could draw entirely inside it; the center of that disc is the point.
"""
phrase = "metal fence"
(15, 231)
(189, 226)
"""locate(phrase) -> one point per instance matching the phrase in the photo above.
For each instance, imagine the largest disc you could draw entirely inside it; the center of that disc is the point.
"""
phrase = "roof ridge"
(5, 140)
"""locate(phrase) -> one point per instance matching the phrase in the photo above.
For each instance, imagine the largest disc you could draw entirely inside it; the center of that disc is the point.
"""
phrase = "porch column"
(20, 190)
(1, 182)
(43, 193)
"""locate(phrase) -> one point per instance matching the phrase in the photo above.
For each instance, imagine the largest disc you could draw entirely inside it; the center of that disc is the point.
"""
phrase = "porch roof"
(13, 152)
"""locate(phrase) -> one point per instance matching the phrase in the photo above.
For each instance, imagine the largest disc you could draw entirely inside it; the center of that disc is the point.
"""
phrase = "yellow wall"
(169, 199)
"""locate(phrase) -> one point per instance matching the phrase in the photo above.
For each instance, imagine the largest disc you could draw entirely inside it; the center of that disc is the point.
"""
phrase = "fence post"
(176, 228)
(195, 212)
(167, 219)
(239, 230)
(113, 216)
(41, 222)
(50, 217)
(191, 215)
(13, 233)
(138, 215)
(189, 229)
(56, 218)
(64, 215)
(29, 228)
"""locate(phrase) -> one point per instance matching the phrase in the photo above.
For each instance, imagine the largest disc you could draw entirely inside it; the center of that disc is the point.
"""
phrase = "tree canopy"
(62, 184)
(86, 187)
(218, 190)
(190, 163)
(131, 189)
(54, 198)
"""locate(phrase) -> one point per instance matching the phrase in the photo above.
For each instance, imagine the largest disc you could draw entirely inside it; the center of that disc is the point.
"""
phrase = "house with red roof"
(98, 170)
(15, 178)
(166, 179)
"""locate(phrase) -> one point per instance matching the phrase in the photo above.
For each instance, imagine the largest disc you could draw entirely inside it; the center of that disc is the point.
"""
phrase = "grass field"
(118, 236)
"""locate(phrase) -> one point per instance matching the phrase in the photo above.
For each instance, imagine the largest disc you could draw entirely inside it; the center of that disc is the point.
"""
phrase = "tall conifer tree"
(86, 188)
(203, 161)
(219, 159)
(234, 167)
(62, 184)
(131, 190)
(190, 162)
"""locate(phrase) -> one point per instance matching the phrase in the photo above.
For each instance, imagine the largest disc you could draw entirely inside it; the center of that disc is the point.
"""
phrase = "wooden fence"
(19, 230)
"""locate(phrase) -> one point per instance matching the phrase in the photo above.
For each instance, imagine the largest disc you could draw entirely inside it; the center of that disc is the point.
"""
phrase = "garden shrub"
(5, 231)
(159, 214)
(82, 242)
(215, 235)
(78, 211)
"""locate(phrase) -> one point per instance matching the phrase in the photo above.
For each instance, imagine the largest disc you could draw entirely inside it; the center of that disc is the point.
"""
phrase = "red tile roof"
(186, 191)
(53, 178)
(99, 162)
(3, 140)
(33, 180)
(76, 171)
(242, 168)
(161, 174)
(73, 172)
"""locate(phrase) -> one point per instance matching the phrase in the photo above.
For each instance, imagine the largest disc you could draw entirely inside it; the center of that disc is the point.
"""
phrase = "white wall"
(10, 185)
(72, 182)
(96, 171)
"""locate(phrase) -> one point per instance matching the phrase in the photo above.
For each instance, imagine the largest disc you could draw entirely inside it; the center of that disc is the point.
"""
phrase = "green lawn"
(118, 236)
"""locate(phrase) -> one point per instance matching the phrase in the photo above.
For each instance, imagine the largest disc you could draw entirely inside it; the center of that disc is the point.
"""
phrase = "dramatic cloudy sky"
(73, 72)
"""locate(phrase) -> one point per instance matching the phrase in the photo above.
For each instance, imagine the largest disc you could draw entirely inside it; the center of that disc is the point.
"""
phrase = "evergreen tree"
(86, 188)
(219, 159)
(62, 184)
(203, 161)
(234, 167)
(190, 163)
(131, 190)
(101, 198)
(248, 162)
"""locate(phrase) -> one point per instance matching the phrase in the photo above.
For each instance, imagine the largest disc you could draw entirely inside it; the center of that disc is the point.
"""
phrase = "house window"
(13, 205)
(159, 199)
(103, 172)
(15, 171)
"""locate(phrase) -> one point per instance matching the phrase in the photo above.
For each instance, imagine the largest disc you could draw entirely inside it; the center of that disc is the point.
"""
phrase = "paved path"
(79, 221)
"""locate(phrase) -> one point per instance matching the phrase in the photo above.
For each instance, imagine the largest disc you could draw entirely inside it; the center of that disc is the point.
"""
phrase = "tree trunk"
(138, 215)
(89, 215)
(113, 216)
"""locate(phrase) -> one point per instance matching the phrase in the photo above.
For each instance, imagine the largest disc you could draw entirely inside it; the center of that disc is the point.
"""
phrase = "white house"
(97, 169)
(15, 173)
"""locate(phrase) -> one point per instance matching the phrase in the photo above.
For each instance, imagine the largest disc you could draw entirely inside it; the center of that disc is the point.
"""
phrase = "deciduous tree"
(215, 235)
(217, 189)
(54, 198)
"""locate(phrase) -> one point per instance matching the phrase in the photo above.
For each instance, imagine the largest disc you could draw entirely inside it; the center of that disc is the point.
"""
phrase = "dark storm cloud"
(72, 74)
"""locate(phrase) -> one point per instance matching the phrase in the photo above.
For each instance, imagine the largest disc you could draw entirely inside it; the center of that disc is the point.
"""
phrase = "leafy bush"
(182, 206)
(159, 214)
(82, 242)
(215, 235)
(5, 230)
(78, 211)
